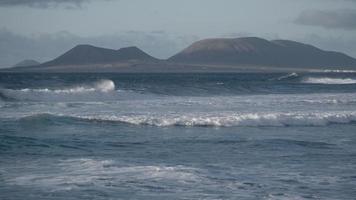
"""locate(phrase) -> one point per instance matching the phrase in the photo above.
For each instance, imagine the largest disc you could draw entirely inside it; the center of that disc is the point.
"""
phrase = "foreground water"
(178, 136)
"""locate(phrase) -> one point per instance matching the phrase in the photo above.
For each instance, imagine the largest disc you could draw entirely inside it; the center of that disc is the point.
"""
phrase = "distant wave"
(288, 76)
(222, 120)
(339, 71)
(68, 174)
(329, 81)
(317, 80)
(101, 86)
(43, 94)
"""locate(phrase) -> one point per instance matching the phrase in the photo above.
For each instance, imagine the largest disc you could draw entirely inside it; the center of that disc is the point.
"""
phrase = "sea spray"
(101, 86)
(105, 85)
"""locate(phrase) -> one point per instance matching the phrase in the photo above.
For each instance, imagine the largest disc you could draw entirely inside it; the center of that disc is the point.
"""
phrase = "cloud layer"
(337, 19)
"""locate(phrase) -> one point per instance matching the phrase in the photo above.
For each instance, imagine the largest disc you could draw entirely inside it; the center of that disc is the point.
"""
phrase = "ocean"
(178, 136)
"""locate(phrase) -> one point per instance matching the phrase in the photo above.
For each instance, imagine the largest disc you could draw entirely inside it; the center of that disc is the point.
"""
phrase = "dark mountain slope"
(87, 54)
(26, 63)
(257, 51)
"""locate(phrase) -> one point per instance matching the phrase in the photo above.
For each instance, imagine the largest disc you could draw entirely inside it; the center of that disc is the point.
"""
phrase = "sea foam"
(71, 173)
(100, 86)
(288, 76)
(329, 81)
(217, 120)
(89, 91)
(227, 120)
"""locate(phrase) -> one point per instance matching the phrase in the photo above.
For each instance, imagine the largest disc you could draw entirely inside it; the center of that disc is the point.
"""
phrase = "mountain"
(249, 54)
(260, 52)
(26, 63)
(87, 54)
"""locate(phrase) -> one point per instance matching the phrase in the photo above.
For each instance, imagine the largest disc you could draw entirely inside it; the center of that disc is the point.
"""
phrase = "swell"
(209, 120)
(4, 97)
(105, 89)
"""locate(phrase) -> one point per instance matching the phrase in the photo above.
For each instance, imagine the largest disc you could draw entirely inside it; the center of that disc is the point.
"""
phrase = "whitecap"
(329, 81)
(101, 86)
(105, 85)
(339, 71)
(229, 119)
(95, 90)
(288, 76)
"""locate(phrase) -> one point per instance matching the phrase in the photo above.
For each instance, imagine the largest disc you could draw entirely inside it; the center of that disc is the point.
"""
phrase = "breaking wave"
(100, 87)
(339, 71)
(288, 76)
(330, 81)
(222, 120)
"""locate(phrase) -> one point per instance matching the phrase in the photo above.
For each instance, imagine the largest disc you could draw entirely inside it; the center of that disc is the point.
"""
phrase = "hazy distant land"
(249, 54)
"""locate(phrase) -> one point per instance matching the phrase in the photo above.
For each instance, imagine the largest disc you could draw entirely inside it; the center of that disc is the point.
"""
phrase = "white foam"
(89, 91)
(69, 174)
(101, 86)
(105, 85)
(327, 80)
(232, 119)
(339, 71)
(291, 75)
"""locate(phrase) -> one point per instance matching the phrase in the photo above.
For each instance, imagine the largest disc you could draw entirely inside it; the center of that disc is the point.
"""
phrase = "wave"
(317, 80)
(211, 120)
(83, 92)
(288, 76)
(339, 71)
(101, 86)
(329, 81)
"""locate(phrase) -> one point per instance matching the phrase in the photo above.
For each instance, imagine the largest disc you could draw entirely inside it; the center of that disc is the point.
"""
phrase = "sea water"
(178, 136)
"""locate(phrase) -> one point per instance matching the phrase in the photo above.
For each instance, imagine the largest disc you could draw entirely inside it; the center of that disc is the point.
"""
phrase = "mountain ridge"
(208, 55)
(89, 54)
(258, 51)
(26, 63)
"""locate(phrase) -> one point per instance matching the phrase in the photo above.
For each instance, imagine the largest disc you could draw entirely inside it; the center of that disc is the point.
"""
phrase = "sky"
(44, 29)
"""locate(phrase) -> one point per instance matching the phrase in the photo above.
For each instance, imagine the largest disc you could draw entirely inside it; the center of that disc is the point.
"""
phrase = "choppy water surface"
(178, 136)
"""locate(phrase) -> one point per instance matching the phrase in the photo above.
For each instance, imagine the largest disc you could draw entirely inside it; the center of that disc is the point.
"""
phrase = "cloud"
(43, 3)
(15, 48)
(337, 19)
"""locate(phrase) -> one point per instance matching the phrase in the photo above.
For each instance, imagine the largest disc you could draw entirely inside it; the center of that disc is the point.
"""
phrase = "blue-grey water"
(178, 136)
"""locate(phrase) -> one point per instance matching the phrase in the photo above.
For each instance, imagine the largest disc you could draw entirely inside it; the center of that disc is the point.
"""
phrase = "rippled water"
(178, 136)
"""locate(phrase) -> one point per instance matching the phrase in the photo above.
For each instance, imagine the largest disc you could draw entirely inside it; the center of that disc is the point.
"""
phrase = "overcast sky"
(43, 29)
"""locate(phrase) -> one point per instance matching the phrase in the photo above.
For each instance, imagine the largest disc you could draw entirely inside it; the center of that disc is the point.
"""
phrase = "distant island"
(209, 55)
(26, 63)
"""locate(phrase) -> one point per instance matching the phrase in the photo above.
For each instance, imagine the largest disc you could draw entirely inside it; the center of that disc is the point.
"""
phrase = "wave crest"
(81, 92)
(222, 120)
(329, 81)
(105, 85)
(101, 86)
(288, 76)
(253, 119)
(70, 173)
